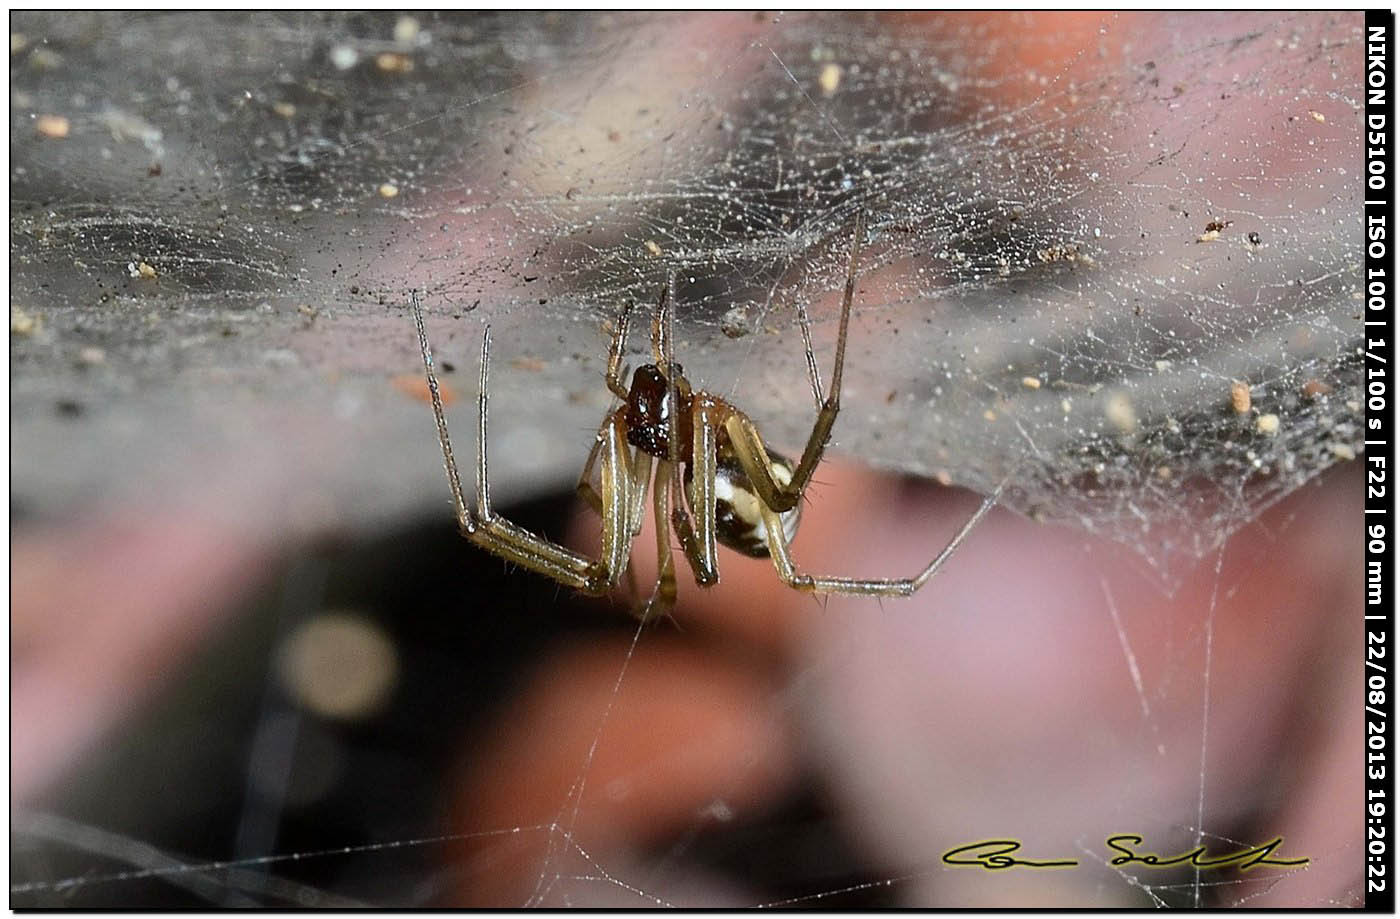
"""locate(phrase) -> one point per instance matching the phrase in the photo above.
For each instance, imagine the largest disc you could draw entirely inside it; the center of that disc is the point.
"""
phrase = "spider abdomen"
(738, 508)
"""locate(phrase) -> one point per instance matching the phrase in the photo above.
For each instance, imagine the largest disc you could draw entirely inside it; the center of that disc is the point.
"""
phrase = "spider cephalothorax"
(712, 479)
(651, 402)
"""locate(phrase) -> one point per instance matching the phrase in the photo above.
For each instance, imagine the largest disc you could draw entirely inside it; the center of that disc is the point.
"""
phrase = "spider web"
(1112, 260)
(1040, 294)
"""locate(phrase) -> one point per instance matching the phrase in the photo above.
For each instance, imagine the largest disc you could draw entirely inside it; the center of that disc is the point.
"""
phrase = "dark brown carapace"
(649, 411)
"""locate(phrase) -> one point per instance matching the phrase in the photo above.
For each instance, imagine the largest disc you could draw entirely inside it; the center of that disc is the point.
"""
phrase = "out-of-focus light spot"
(343, 57)
(406, 30)
(1121, 413)
(339, 665)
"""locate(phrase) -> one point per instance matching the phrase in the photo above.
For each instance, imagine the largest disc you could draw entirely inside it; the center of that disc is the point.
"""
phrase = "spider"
(712, 476)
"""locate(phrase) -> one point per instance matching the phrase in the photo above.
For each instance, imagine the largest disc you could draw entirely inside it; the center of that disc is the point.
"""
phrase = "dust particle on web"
(1120, 412)
(829, 79)
(52, 126)
(23, 324)
(1317, 116)
(69, 408)
(1059, 252)
(527, 363)
(1343, 452)
(393, 62)
(125, 126)
(343, 57)
(1315, 389)
(415, 386)
(388, 190)
(44, 59)
(143, 270)
(1267, 424)
(1239, 397)
(1030, 382)
(1213, 230)
(735, 322)
(284, 109)
(652, 247)
(406, 30)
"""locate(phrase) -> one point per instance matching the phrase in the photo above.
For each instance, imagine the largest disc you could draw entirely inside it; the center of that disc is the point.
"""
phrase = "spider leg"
(698, 542)
(510, 541)
(663, 592)
(619, 342)
(749, 445)
(631, 575)
(661, 327)
(640, 475)
(498, 535)
(866, 587)
(465, 521)
(698, 547)
(584, 489)
(636, 507)
(813, 374)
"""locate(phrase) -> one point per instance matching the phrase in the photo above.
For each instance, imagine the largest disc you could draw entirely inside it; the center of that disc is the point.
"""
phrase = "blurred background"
(1111, 259)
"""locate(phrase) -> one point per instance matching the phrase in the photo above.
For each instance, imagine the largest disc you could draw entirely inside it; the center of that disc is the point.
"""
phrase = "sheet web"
(1122, 273)
(1113, 261)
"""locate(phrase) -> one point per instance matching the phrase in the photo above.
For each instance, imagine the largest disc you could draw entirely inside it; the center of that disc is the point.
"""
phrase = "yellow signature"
(997, 855)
